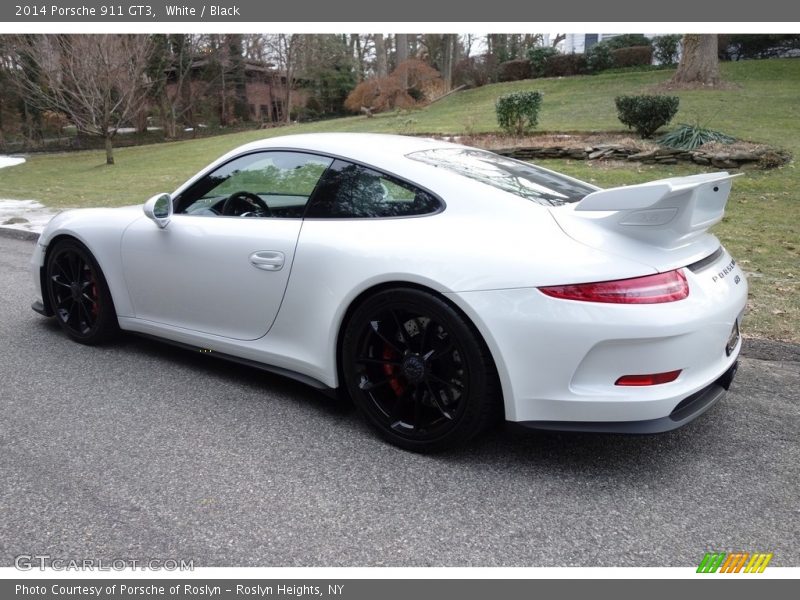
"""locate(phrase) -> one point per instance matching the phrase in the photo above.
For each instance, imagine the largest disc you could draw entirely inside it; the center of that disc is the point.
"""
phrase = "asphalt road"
(140, 450)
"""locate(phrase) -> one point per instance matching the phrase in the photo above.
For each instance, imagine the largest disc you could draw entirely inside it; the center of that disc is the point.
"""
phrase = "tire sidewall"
(106, 324)
(471, 418)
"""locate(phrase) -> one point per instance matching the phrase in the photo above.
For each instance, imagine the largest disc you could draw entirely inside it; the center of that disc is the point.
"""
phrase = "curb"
(19, 234)
(771, 350)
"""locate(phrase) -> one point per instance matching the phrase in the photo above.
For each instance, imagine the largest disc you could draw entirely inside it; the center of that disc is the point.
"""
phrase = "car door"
(222, 264)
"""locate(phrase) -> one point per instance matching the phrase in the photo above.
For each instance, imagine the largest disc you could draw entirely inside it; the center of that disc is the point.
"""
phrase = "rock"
(649, 154)
(15, 221)
(724, 163)
(701, 160)
(744, 156)
(667, 151)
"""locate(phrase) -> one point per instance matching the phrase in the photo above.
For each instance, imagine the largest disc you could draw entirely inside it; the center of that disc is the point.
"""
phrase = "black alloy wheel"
(78, 294)
(418, 371)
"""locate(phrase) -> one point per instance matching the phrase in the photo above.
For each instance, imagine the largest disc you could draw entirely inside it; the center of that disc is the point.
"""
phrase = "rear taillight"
(650, 289)
(649, 379)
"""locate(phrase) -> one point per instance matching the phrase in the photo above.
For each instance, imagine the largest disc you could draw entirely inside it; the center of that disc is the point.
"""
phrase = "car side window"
(262, 184)
(350, 191)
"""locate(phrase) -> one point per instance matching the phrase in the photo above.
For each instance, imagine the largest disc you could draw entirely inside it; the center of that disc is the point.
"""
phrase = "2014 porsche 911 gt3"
(440, 285)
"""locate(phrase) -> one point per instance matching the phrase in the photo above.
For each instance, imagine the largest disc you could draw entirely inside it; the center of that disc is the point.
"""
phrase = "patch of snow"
(134, 130)
(27, 215)
(10, 161)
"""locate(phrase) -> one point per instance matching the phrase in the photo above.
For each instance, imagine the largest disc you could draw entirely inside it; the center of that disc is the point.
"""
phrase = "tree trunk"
(171, 122)
(223, 110)
(380, 56)
(699, 62)
(401, 44)
(109, 149)
(288, 107)
(450, 41)
(355, 42)
(141, 119)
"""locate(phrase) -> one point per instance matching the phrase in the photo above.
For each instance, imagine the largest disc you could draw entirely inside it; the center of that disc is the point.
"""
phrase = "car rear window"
(520, 178)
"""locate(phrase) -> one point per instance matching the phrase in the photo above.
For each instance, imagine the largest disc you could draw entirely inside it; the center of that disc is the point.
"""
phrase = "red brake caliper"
(93, 291)
(394, 382)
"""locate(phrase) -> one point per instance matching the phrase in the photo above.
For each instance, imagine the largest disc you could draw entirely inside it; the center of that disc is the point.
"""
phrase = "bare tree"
(441, 50)
(699, 64)
(467, 41)
(285, 50)
(255, 47)
(359, 53)
(172, 71)
(97, 81)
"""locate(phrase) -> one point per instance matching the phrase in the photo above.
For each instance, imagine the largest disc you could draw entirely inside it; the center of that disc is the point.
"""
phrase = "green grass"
(761, 228)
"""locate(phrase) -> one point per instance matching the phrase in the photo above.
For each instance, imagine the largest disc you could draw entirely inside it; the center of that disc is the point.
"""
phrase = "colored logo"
(735, 562)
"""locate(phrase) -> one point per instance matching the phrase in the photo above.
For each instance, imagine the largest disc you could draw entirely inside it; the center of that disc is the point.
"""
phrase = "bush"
(565, 65)
(635, 56)
(627, 40)
(645, 114)
(539, 57)
(745, 46)
(689, 137)
(406, 87)
(666, 49)
(598, 58)
(518, 112)
(515, 70)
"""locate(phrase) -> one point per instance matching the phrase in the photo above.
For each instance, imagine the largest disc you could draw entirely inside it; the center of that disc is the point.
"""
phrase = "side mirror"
(159, 209)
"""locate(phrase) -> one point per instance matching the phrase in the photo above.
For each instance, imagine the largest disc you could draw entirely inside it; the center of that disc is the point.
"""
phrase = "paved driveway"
(139, 450)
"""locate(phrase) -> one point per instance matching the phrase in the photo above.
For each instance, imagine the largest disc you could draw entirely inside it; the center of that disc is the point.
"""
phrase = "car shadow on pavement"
(504, 446)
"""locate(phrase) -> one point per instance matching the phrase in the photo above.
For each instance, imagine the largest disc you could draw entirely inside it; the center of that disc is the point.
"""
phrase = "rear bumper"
(558, 360)
(686, 411)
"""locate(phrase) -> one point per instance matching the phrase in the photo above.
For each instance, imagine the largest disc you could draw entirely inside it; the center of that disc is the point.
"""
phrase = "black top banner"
(441, 11)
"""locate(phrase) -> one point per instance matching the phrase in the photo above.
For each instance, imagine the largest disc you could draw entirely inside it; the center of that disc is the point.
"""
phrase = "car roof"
(370, 148)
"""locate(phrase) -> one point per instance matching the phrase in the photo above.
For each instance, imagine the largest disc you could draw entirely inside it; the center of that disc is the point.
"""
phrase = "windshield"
(522, 179)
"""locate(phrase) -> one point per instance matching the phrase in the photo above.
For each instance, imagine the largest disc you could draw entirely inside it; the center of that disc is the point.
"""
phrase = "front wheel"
(78, 294)
(418, 371)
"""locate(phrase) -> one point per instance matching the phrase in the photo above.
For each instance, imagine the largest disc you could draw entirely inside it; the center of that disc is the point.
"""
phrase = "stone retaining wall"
(762, 158)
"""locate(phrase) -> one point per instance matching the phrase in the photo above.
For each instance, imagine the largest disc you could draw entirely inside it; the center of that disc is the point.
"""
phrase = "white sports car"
(440, 285)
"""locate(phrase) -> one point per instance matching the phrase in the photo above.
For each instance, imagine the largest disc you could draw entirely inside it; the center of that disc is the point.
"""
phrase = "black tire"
(418, 371)
(78, 294)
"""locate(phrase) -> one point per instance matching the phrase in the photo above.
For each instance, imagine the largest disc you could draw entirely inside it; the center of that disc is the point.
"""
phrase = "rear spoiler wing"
(665, 212)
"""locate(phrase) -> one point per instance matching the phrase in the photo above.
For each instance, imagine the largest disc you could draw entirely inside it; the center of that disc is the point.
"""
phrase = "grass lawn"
(761, 228)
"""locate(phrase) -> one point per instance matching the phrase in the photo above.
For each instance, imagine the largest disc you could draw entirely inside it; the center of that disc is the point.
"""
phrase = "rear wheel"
(78, 294)
(418, 371)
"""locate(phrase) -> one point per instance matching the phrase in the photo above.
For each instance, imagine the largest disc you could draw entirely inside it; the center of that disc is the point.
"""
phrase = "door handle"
(267, 260)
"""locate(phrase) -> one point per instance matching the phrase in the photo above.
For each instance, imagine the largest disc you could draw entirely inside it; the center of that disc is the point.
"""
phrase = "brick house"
(265, 91)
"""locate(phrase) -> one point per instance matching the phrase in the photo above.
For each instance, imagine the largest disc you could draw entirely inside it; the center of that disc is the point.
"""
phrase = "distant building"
(581, 42)
(265, 90)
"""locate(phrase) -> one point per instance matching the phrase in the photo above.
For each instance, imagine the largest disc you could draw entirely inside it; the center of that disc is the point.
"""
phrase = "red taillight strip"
(650, 289)
(650, 379)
